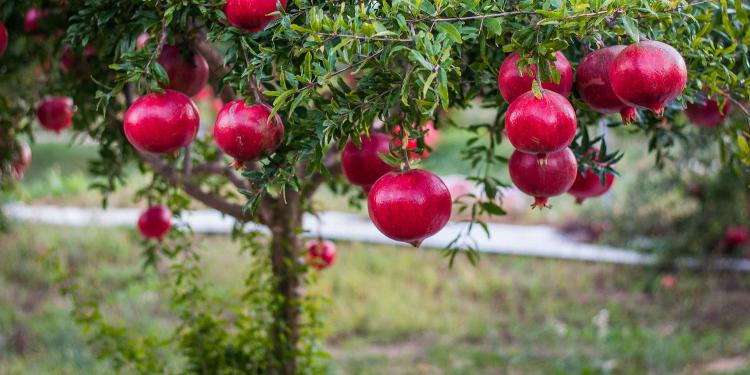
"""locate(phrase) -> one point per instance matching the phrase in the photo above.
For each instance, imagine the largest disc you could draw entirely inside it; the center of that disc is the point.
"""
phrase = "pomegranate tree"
(247, 132)
(513, 83)
(540, 125)
(594, 87)
(187, 70)
(55, 113)
(155, 222)
(251, 15)
(707, 114)
(161, 123)
(320, 254)
(543, 179)
(648, 74)
(409, 206)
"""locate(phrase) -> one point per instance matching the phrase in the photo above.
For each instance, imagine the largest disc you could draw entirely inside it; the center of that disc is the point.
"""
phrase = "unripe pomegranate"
(161, 123)
(540, 126)
(55, 113)
(592, 82)
(245, 132)
(707, 115)
(22, 160)
(321, 254)
(155, 222)
(251, 15)
(543, 178)
(32, 18)
(735, 236)
(648, 74)
(512, 84)
(409, 206)
(361, 165)
(187, 75)
(3, 38)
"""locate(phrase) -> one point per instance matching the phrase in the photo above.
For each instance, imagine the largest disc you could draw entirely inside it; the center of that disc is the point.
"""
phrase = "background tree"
(329, 70)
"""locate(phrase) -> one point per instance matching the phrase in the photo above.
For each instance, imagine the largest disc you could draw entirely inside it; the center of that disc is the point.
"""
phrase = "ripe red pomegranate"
(55, 113)
(543, 178)
(512, 84)
(245, 132)
(161, 123)
(592, 82)
(321, 254)
(187, 75)
(735, 236)
(361, 165)
(32, 18)
(707, 114)
(3, 38)
(431, 138)
(589, 185)
(648, 74)
(540, 126)
(251, 15)
(71, 62)
(409, 206)
(142, 40)
(155, 222)
(22, 161)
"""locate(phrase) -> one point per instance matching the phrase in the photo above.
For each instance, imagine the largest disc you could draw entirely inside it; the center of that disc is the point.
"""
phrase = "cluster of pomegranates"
(541, 126)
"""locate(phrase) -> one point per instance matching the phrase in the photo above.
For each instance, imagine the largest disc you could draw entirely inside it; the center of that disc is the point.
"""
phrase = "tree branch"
(216, 68)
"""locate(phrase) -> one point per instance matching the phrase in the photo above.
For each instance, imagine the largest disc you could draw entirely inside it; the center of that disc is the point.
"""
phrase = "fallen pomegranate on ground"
(540, 125)
(707, 114)
(593, 85)
(3, 38)
(320, 254)
(187, 71)
(247, 133)
(155, 222)
(22, 160)
(410, 205)
(55, 113)
(251, 15)
(736, 236)
(362, 165)
(161, 123)
(588, 184)
(543, 177)
(513, 84)
(648, 74)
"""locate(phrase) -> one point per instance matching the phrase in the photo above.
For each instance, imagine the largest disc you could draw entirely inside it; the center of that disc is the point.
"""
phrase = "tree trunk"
(286, 267)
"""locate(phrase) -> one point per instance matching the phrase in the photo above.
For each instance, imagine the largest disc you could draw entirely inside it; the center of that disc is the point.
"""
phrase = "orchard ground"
(388, 310)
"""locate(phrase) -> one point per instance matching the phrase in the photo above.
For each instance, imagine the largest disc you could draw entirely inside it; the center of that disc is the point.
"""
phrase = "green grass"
(397, 310)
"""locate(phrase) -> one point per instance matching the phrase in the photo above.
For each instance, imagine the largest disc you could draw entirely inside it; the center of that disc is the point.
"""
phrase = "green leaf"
(631, 28)
(450, 30)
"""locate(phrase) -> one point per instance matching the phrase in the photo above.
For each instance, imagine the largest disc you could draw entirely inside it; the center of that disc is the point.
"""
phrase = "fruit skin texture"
(22, 161)
(592, 83)
(540, 126)
(648, 74)
(735, 236)
(31, 19)
(3, 38)
(55, 113)
(161, 123)
(512, 85)
(362, 166)
(707, 115)
(409, 206)
(186, 76)
(244, 132)
(321, 254)
(251, 15)
(544, 179)
(155, 222)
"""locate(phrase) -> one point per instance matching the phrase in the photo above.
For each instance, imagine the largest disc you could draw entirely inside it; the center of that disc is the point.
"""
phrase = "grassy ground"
(397, 311)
